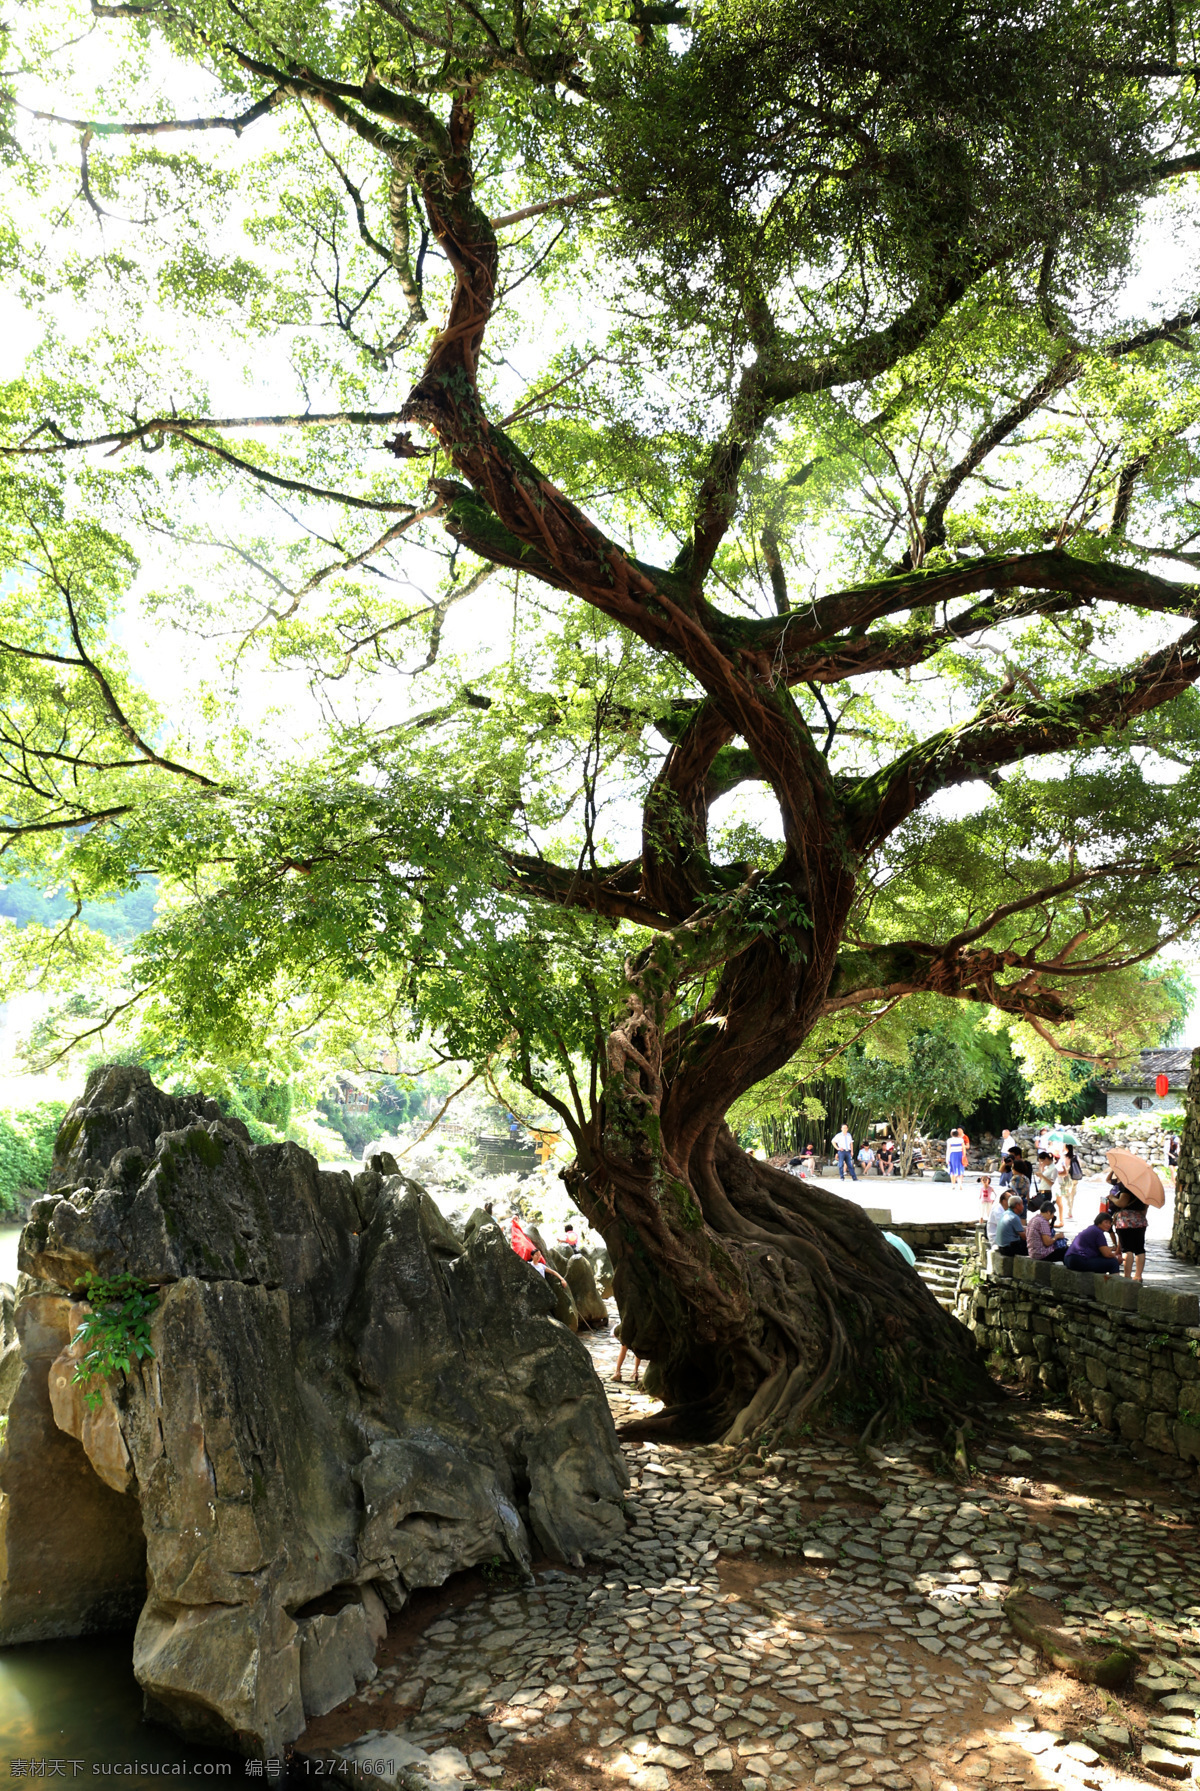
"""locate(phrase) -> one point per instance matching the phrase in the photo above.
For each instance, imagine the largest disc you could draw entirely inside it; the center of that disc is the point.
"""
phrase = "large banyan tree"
(714, 484)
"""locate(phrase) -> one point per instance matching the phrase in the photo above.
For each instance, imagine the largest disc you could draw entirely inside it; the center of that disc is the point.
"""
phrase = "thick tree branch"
(1004, 731)
(116, 439)
(567, 887)
(777, 642)
(160, 127)
(1052, 381)
(676, 873)
(568, 201)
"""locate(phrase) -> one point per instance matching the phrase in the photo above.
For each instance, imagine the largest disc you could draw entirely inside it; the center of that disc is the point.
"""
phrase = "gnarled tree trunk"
(754, 1294)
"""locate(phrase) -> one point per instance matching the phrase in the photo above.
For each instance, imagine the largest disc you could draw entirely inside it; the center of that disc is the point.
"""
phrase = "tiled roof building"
(1132, 1091)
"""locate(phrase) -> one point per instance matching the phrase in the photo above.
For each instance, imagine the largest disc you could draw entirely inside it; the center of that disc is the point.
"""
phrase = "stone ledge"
(1160, 1304)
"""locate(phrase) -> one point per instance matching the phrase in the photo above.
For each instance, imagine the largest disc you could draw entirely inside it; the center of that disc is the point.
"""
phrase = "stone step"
(940, 1275)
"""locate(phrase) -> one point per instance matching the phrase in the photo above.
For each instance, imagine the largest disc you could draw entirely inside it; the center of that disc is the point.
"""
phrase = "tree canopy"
(584, 417)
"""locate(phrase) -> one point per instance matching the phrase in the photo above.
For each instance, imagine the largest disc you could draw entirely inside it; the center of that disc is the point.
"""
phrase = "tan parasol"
(1136, 1175)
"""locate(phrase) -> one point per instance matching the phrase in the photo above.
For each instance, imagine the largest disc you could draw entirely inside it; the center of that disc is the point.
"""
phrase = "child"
(987, 1195)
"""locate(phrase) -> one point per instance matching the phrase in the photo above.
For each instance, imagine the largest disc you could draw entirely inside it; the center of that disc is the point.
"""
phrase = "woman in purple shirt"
(1091, 1250)
(1039, 1235)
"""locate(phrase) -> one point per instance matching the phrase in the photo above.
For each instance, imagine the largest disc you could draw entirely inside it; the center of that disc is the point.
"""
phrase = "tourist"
(843, 1144)
(528, 1251)
(1091, 1250)
(1129, 1224)
(1070, 1175)
(568, 1241)
(1173, 1150)
(1045, 1173)
(887, 1157)
(1010, 1230)
(987, 1196)
(1022, 1166)
(955, 1152)
(1042, 1242)
(996, 1214)
(637, 1361)
(1045, 1179)
(866, 1157)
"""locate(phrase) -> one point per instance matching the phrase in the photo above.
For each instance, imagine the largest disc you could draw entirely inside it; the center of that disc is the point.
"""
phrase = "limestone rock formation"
(582, 1282)
(344, 1403)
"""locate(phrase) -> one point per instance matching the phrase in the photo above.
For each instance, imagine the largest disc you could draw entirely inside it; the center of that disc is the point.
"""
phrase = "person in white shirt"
(866, 1158)
(843, 1144)
(996, 1214)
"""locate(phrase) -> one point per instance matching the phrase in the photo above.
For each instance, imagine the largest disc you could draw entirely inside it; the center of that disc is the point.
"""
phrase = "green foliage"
(26, 1147)
(115, 1333)
(934, 1071)
(830, 246)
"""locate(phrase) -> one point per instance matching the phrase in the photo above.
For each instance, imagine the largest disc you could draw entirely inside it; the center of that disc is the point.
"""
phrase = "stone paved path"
(827, 1621)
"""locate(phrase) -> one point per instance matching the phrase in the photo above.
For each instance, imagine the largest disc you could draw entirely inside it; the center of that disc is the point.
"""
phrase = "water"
(78, 1706)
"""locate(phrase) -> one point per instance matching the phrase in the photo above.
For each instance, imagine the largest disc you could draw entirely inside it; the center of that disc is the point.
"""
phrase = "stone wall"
(924, 1236)
(1126, 1355)
(1185, 1238)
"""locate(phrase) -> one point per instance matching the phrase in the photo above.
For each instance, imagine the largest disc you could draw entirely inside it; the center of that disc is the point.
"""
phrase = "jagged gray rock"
(344, 1404)
(10, 1345)
(586, 1295)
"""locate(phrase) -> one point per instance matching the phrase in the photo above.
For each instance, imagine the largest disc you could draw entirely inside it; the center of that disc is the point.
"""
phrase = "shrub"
(26, 1145)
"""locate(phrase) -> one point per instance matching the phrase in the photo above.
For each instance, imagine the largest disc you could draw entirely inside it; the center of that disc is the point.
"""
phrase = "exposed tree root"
(1035, 1622)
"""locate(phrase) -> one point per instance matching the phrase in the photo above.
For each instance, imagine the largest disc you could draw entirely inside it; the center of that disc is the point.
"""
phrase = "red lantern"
(1162, 1086)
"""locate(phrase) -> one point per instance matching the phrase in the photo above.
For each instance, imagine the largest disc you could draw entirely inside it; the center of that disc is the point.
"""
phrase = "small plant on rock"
(116, 1331)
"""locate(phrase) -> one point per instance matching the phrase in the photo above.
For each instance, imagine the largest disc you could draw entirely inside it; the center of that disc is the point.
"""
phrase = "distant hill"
(122, 919)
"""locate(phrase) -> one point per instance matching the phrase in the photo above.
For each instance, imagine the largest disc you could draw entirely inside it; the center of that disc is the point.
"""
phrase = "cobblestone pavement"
(828, 1621)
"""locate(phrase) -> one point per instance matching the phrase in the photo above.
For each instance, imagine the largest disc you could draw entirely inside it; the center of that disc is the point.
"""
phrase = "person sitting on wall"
(1044, 1244)
(1010, 1232)
(1091, 1250)
(997, 1213)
